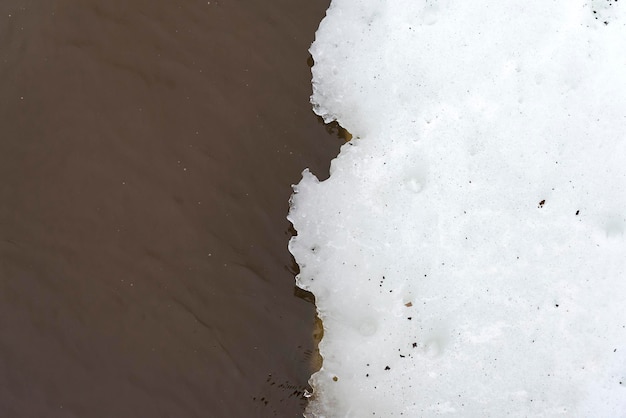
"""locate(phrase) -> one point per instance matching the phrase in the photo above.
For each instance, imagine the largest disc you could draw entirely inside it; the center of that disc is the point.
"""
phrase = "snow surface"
(467, 253)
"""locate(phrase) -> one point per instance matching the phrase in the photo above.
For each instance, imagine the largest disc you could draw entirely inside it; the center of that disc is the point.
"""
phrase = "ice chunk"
(467, 253)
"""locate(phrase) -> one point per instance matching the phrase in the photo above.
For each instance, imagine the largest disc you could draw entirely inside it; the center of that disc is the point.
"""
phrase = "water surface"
(146, 158)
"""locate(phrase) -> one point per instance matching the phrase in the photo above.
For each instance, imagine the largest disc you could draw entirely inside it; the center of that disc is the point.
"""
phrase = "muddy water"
(146, 154)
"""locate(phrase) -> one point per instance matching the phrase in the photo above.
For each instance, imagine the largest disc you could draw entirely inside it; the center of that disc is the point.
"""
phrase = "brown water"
(147, 150)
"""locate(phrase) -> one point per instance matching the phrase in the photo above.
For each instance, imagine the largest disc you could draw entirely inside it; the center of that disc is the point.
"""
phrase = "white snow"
(468, 253)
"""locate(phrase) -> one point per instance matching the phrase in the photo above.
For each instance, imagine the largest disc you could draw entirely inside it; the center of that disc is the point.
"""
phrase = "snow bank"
(467, 253)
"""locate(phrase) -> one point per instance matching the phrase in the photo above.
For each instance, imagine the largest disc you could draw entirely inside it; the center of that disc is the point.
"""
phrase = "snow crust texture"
(468, 253)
